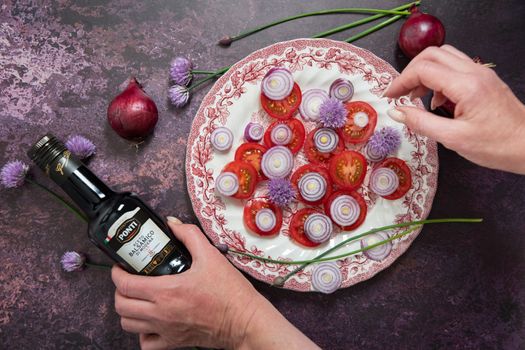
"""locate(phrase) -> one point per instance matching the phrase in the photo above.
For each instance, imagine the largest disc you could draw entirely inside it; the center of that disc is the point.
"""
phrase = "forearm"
(268, 329)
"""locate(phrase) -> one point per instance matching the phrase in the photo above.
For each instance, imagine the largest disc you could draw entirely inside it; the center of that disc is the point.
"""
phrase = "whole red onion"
(420, 31)
(132, 113)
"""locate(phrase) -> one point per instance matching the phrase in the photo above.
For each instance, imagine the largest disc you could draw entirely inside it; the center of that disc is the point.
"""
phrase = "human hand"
(489, 121)
(209, 305)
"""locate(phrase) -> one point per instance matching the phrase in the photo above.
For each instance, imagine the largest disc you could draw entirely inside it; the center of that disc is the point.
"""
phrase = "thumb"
(191, 236)
(425, 123)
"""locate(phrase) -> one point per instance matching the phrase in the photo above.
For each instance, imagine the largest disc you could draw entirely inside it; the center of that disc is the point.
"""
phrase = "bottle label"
(139, 241)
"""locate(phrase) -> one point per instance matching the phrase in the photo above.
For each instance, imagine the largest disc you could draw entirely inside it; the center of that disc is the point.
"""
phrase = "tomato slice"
(298, 133)
(297, 227)
(403, 173)
(285, 108)
(252, 153)
(353, 133)
(348, 169)
(247, 178)
(250, 211)
(311, 168)
(314, 156)
(362, 206)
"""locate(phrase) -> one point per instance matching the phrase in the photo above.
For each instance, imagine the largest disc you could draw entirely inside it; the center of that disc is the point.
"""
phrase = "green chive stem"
(396, 11)
(305, 263)
(211, 76)
(330, 258)
(384, 228)
(60, 199)
(98, 266)
(373, 29)
(362, 21)
(195, 71)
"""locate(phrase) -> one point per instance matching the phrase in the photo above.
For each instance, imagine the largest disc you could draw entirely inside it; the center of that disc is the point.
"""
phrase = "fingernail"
(173, 220)
(411, 95)
(385, 90)
(396, 114)
(433, 103)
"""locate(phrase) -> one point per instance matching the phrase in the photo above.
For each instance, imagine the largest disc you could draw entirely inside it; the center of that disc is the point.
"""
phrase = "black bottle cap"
(46, 150)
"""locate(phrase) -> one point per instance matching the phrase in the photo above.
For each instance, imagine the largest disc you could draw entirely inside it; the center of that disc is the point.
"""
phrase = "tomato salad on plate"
(329, 186)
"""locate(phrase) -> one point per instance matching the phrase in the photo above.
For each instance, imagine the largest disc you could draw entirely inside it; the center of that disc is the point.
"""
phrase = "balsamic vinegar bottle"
(120, 224)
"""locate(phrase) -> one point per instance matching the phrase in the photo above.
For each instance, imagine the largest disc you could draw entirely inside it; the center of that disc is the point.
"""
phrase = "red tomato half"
(251, 153)
(247, 178)
(285, 108)
(297, 227)
(316, 157)
(353, 133)
(403, 173)
(348, 169)
(311, 168)
(362, 206)
(297, 134)
(250, 211)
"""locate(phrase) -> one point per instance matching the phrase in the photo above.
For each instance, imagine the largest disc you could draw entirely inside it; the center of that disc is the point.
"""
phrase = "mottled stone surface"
(458, 286)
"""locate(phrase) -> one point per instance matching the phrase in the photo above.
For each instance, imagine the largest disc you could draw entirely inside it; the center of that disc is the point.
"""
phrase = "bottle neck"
(82, 186)
(86, 190)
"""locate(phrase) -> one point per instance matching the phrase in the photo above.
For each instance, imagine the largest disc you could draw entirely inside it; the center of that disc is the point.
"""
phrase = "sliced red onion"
(371, 155)
(277, 162)
(312, 186)
(381, 251)
(345, 210)
(318, 228)
(342, 89)
(326, 140)
(384, 181)
(326, 277)
(361, 119)
(227, 184)
(253, 132)
(277, 83)
(312, 100)
(281, 134)
(222, 138)
(265, 220)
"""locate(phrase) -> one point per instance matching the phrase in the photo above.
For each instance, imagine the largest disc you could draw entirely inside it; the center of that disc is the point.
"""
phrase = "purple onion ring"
(326, 277)
(253, 132)
(342, 89)
(277, 83)
(384, 181)
(277, 162)
(326, 140)
(265, 220)
(318, 228)
(222, 138)
(380, 252)
(345, 210)
(227, 183)
(281, 134)
(312, 186)
(310, 103)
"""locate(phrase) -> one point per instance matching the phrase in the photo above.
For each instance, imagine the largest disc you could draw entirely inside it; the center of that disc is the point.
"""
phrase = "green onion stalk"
(397, 12)
(279, 281)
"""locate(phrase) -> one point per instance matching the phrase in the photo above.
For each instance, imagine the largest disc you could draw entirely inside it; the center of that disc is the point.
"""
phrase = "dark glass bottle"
(120, 224)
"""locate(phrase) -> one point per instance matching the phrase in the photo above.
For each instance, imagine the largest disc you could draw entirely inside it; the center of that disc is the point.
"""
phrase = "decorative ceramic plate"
(234, 101)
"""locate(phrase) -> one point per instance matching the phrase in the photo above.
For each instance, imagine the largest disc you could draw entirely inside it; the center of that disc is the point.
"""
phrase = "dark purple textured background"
(458, 286)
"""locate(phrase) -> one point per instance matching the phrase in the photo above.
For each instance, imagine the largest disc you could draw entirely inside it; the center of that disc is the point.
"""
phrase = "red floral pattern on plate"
(216, 108)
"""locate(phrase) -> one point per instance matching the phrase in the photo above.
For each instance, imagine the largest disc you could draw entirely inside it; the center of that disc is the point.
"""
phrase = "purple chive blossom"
(73, 261)
(179, 95)
(81, 146)
(385, 141)
(180, 71)
(281, 191)
(332, 113)
(14, 173)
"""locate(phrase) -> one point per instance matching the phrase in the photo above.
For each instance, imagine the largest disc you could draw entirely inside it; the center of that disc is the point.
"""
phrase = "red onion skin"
(420, 31)
(133, 114)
